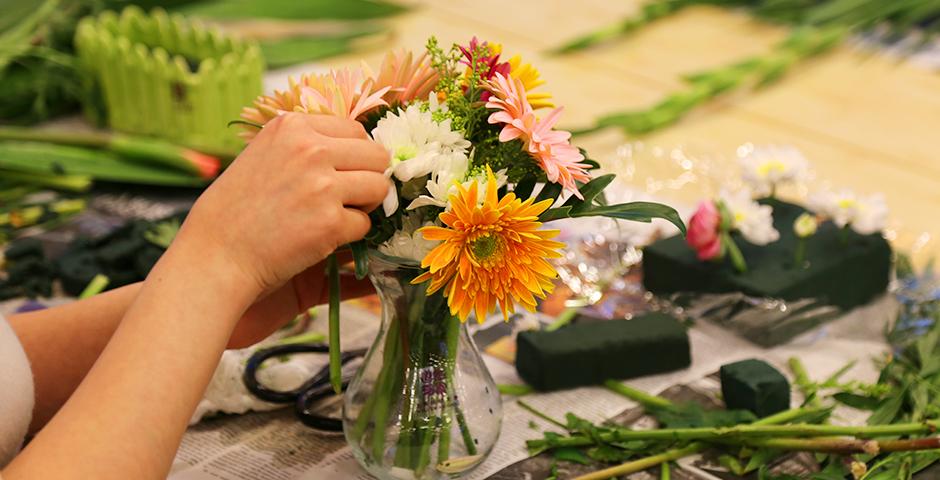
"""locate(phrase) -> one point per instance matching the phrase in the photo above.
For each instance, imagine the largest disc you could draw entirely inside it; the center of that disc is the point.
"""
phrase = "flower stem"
(842, 445)
(643, 463)
(382, 405)
(389, 353)
(465, 430)
(453, 336)
(541, 415)
(411, 340)
(692, 448)
(799, 255)
(737, 259)
(336, 366)
(643, 398)
(738, 432)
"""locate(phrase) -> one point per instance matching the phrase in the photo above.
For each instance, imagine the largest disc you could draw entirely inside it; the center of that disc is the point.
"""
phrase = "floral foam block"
(842, 268)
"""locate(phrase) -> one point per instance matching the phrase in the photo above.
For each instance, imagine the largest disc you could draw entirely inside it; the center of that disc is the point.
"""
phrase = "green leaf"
(360, 253)
(589, 191)
(853, 400)
(834, 378)
(633, 211)
(46, 159)
(524, 187)
(692, 415)
(573, 455)
(555, 214)
(293, 9)
(762, 456)
(578, 424)
(549, 191)
(608, 454)
(293, 50)
(888, 409)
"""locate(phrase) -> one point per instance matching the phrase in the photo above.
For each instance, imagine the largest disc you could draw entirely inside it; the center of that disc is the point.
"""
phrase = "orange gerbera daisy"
(489, 253)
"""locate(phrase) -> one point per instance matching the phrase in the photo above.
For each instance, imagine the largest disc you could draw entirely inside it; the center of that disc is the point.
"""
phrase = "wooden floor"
(866, 121)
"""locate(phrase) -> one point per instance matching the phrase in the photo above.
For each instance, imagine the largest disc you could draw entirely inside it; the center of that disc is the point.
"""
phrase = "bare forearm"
(148, 379)
(63, 342)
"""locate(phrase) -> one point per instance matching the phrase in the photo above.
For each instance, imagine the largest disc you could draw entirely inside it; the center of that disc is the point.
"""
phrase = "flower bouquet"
(475, 171)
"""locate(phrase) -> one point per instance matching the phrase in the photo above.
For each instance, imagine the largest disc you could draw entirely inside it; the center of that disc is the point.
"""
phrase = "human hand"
(307, 289)
(301, 188)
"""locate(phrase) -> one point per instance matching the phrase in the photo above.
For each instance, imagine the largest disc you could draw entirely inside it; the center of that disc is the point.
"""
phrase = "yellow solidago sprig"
(490, 252)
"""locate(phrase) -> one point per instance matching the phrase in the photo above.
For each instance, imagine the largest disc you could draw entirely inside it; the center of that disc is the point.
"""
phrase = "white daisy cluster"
(407, 242)
(423, 150)
(753, 220)
(766, 168)
(863, 214)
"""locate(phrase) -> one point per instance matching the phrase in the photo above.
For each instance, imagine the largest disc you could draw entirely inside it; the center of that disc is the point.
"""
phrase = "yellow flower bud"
(805, 225)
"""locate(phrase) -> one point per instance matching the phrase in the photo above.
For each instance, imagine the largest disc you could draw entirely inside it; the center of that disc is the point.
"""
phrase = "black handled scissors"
(312, 391)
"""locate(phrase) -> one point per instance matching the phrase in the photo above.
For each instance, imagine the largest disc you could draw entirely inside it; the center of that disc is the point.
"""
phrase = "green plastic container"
(169, 77)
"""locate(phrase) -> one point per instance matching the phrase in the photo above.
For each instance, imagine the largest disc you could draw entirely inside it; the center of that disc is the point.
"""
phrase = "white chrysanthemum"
(442, 183)
(407, 243)
(415, 141)
(766, 168)
(753, 220)
(865, 215)
(417, 144)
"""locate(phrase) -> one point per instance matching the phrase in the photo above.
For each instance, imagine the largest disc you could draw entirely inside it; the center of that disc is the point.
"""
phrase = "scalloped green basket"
(170, 77)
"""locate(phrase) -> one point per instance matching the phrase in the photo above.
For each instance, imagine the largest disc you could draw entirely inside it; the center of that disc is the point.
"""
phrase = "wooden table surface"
(865, 120)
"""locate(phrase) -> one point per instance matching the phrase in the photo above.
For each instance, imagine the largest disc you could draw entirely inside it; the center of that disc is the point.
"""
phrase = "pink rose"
(703, 231)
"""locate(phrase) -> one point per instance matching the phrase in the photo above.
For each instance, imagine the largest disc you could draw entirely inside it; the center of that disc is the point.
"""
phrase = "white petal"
(390, 203)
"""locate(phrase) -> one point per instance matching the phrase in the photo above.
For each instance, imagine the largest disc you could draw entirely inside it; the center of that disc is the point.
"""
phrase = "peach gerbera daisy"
(490, 253)
(343, 93)
(407, 77)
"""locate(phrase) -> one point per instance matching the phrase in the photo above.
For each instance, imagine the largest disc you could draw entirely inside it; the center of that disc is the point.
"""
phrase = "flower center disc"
(484, 247)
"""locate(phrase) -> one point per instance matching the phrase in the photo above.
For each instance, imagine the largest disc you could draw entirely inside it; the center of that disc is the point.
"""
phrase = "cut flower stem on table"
(900, 438)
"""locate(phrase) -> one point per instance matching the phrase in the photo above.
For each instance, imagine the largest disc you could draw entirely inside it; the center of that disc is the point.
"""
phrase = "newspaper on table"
(275, 445)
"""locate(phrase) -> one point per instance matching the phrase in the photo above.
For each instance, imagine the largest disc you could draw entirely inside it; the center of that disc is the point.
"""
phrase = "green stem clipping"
(336, 367)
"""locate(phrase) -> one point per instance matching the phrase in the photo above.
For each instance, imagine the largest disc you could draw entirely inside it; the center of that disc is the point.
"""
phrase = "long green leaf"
(43, 158)
(75, 183)
(293, 50)
(633, 211)
(293, 9)
(360, 254)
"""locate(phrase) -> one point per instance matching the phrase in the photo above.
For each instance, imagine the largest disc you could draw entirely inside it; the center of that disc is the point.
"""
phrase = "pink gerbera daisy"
(550, 148)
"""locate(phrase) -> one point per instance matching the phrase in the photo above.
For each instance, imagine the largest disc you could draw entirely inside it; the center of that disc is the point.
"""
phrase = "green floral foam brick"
(169, 77)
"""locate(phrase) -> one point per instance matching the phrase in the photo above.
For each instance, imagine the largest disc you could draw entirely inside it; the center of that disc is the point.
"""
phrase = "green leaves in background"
(292, 9)
(820, 25)
(293, 50)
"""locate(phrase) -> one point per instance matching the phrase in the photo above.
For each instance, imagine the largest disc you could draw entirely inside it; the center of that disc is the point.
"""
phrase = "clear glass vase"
(422, 405)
